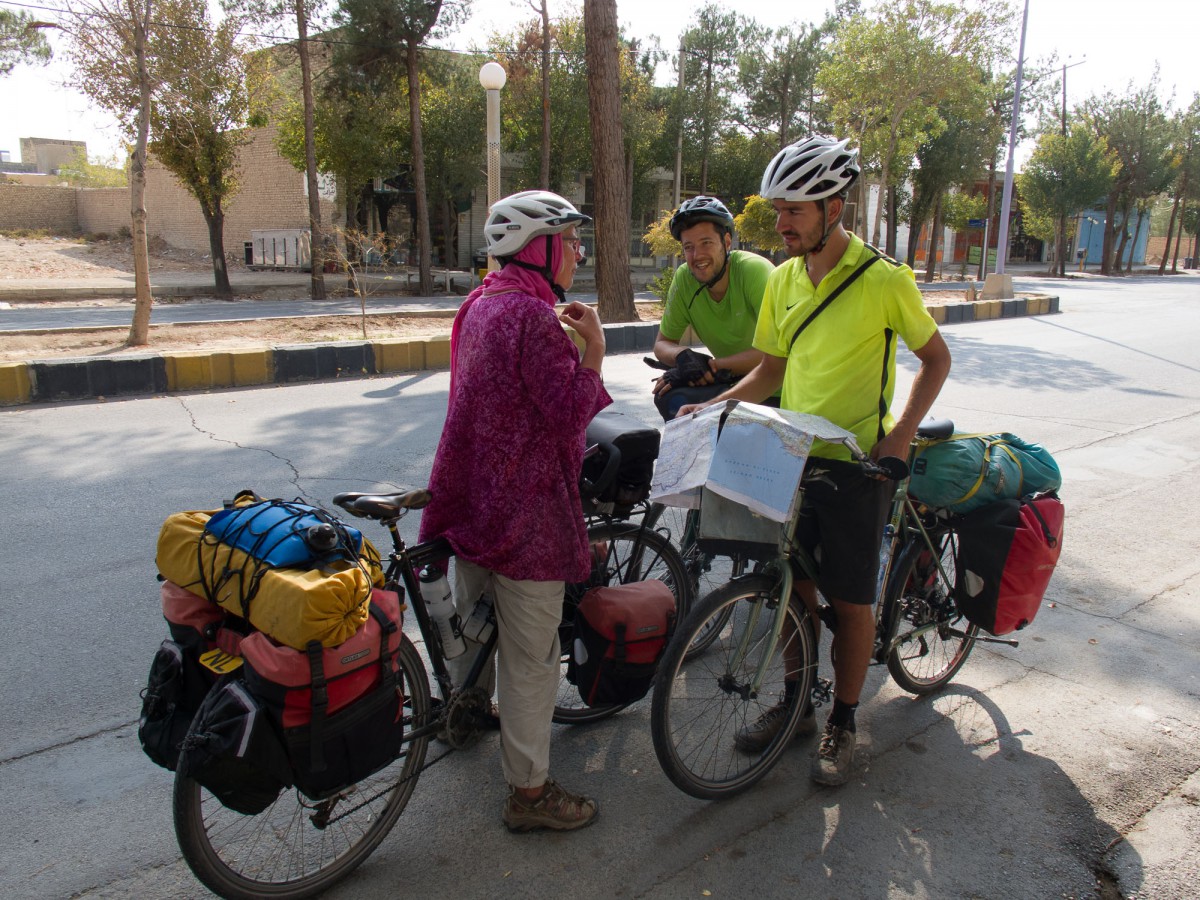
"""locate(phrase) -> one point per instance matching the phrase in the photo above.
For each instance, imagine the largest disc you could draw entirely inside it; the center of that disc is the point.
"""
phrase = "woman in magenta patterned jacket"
(505, 480)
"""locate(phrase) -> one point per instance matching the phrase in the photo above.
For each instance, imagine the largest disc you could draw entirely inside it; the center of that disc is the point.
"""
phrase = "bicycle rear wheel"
(701, 701)
(930, 640)
(622, 553)
(298, 847)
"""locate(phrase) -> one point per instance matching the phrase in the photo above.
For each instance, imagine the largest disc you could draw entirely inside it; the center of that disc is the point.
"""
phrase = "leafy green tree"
(953, 158)
(199, 110)
(109, 50)
(388, 34)
(888, 73)
(711, 49)
(1064, 175)
(755, 224)
(1135, 126)
(21, 41)
(1187, 154)
(78, 171)
(777, 75)
(567, 85)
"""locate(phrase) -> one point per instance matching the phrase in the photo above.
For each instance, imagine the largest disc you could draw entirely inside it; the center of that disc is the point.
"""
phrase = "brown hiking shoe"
(555, 809)
(834, 756)
(755, 737)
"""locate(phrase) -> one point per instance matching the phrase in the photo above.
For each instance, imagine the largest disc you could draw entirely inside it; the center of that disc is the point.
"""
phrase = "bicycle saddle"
(382, 506)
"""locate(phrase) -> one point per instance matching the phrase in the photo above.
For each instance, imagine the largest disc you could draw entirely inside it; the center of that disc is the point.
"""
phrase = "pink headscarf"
(514, 279)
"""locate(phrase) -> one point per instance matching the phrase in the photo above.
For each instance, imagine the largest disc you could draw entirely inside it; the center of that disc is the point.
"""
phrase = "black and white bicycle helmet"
(701, 209)
(514, 221)
(812, 169)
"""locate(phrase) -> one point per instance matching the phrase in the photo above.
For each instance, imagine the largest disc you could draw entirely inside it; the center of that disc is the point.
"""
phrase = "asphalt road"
(1044, 768)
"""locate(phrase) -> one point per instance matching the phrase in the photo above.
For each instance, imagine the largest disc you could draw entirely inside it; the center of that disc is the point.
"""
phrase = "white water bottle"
(439, 601)
(480, 623)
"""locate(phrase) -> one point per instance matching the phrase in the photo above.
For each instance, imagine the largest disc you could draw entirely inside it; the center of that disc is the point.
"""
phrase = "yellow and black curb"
(58, 380)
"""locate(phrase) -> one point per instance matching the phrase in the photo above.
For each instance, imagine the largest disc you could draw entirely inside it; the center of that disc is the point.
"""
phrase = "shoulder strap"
(833, 295)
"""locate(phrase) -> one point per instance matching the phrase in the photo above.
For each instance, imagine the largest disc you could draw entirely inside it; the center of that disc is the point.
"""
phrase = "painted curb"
(52, 381)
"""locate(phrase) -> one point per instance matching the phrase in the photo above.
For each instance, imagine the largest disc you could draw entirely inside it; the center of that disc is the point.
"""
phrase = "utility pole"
(679, 139)
(998, 286)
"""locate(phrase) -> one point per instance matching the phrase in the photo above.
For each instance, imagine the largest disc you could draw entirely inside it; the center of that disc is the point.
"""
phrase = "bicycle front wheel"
(298, 847)
(929, 639)
(703, 701)
(622, 553)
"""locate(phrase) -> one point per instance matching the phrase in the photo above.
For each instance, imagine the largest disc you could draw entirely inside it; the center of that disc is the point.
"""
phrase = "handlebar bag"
(635, 447)
(621, 633)
(339, 709)
(969, 471)
(1006, 556)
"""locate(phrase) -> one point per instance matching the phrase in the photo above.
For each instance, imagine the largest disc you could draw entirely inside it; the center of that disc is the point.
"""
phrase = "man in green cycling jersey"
(838, 361)
(718, 293)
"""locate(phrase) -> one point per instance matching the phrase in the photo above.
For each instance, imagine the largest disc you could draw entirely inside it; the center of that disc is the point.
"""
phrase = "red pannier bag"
(621, 633)
(178, 681)
(1006, 556)
(340, 709)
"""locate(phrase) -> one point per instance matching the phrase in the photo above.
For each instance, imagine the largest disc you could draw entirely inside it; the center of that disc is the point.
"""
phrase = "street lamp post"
(492, 77)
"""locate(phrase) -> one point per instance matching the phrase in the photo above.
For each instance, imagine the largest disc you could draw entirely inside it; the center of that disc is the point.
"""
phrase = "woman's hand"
(585, 320)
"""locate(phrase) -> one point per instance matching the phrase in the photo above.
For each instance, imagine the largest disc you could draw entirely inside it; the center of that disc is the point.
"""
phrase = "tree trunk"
(1119, 255)
(215, 220)
(613, 285)
(139, 330)
(418, 164)
(1106, 248)
(1179, 236)
(893, 213)
(316, 242)
(991, 211)
(1137, 230)
(934, 230)
(1062, 248)
(544, 169)
(706, 138)
(1162, 266)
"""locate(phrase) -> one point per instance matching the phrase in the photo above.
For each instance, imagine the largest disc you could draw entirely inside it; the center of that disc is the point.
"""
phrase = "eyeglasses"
(573, 243)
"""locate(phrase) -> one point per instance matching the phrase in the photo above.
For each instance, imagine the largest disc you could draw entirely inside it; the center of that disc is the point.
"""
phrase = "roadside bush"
(660, 284)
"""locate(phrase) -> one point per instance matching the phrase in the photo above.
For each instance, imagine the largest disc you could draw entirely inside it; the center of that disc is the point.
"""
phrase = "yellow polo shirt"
(843, 367)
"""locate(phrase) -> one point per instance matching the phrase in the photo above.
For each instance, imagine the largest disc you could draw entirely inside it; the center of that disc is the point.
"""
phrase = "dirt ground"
(44, 257)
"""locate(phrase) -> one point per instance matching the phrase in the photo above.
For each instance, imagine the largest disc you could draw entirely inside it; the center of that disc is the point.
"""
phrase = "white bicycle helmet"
(514, 221)
(811, 169)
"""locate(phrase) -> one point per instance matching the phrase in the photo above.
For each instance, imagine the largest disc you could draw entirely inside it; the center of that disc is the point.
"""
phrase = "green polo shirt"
(727, 327)
(843, 367)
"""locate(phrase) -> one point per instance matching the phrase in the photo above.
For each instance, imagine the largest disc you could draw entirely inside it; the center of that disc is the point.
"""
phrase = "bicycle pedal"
(822, 692)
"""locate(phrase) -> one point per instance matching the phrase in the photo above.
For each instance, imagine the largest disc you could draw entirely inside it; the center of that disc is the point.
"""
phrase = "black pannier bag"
(234, 751)
(618, 476)
(178, 680)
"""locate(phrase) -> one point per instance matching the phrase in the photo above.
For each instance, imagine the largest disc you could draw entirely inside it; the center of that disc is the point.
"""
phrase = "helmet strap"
(828, 229)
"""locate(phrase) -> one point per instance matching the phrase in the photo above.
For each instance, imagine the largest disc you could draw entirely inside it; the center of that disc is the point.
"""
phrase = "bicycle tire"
(934, 638)
(624, 552)
(706, 571)
(280, 852)
(700, 701)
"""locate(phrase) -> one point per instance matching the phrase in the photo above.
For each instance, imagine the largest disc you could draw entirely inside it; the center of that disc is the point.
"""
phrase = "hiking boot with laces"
(755, 737)
(834, 756)
(556, 809)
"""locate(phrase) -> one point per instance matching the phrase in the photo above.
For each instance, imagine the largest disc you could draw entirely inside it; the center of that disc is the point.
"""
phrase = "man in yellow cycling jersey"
(718, 293)
(837, 358)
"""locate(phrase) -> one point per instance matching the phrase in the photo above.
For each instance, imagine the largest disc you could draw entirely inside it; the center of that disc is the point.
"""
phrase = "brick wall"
(103, 210)
(272, 195)
(38, 206)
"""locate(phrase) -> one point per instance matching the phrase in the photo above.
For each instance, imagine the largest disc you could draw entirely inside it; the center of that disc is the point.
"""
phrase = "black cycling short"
(841, 525)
